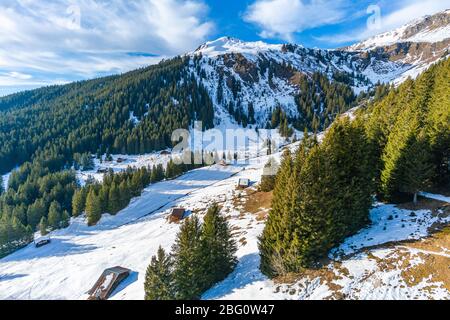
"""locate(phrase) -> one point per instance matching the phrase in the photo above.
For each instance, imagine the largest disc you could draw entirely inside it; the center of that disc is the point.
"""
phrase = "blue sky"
(58, 41)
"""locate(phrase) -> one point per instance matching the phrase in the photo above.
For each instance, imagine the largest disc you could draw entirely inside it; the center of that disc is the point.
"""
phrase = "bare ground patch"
(257, 203)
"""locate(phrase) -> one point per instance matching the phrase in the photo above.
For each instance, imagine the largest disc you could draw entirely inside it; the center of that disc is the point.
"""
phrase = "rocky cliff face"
(265, 76)
(429, 29)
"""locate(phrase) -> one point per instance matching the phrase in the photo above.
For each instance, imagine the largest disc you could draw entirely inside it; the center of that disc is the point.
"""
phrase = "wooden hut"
(108, 282)
(177, 215)
(243, 183)
(42, 241)
(165, 153)
(121, 160)
(223, 163)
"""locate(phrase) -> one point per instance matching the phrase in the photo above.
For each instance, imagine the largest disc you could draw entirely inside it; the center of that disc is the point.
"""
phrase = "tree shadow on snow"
(56, 248)
(133, 277)
(7, 277)
(246, 272)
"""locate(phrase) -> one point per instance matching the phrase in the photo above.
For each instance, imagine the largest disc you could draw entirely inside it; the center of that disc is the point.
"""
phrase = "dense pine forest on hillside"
(396, 147)
(57, 128)
(95, 116)
(403, 134)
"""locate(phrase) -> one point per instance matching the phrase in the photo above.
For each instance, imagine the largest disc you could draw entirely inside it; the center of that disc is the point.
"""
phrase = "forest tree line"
(397, 146)
(39, 199)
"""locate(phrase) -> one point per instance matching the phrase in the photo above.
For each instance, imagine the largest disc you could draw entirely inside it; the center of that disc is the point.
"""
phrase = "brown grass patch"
(324, 273)
(436, 265)
(423, 204)
(257, 201)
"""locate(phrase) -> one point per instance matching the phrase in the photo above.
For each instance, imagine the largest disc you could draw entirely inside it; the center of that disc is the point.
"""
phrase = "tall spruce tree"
(188, 274)
(54, 215)
(79, 201)
(43, 226)
(114, 199)
(218, 247)
(272, 239)
(417, 167)
(159, 278)
(93, 207)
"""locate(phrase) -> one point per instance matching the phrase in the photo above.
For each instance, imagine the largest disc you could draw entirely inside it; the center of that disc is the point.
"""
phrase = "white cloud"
(72, 39)
(407, 11)
(283, 18)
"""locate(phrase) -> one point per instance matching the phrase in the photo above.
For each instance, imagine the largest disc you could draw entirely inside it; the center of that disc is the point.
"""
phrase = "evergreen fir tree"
(189, 276)
(103, 198)
(417, 166)
(218, 247)
(114, 204)
(269, 175)
(159, 278)
(35, 212)
(79, 202)
(124, 194)
(65, 219)
(43, 227)
(269, 240)
(54, 215)
(93, 207)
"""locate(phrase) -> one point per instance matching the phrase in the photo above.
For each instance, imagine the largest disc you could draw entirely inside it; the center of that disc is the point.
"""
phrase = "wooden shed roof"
(108, 282)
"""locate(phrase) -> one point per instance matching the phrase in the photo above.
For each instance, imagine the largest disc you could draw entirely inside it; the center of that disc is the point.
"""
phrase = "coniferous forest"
(48, 131)
(397, 146)
(203, 255)
(45, 133)
(94, 116)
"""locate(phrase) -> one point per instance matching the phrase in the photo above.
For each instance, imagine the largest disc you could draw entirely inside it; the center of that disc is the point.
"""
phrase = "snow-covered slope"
(227, 45)
(429, 29)
(70, 265)
(238, 74)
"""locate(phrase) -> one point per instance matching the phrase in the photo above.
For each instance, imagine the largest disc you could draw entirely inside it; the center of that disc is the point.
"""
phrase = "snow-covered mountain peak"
(428, 29)
(226, 45)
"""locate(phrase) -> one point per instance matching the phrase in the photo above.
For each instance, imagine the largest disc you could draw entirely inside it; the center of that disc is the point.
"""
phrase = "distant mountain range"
(390, 57)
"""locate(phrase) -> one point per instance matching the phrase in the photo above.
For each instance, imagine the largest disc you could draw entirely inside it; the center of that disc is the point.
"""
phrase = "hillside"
(376, 263)
(358, 209)
(418, 44)
(429, 29)
(223, 80)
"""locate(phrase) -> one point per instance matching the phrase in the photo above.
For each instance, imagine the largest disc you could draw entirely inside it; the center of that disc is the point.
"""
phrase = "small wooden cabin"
(102, 171)
(223, 163)
(177, 215)
(243, 183)
(121, 160)
(108, 282)
(42, 241)
(165, 153)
